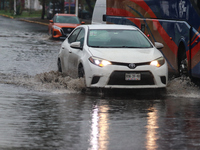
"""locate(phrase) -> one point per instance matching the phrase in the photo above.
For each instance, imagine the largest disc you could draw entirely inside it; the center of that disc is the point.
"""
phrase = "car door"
(66, 51)
(75, 54)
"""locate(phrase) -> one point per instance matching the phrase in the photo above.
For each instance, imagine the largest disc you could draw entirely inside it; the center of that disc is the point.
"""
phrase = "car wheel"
(81, 73)
(59, 65)
(183, 66)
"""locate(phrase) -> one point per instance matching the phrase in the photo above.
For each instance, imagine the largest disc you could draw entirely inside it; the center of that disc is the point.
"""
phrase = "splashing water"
(52, 81)
(183, 87)
(56, 82)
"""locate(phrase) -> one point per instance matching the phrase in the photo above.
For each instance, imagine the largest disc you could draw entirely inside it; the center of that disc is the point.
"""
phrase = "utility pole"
(15, 7)
(77, 8)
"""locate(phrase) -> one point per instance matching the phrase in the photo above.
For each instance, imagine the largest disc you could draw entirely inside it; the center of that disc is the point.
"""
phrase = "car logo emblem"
(131, 66)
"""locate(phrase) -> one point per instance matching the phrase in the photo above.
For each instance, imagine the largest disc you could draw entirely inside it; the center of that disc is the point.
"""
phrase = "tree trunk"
(15, 7)
(43, 9)
(54, 7)
(11, 6)
(62, 6)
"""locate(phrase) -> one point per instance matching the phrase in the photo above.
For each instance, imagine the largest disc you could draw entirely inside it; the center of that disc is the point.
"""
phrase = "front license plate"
(132, 76)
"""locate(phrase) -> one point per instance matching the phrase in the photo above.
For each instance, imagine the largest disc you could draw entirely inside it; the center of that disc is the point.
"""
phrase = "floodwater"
(40, 109)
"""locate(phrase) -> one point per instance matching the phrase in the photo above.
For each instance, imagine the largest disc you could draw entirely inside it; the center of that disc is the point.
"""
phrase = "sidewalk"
(46, 21)
(35, 20)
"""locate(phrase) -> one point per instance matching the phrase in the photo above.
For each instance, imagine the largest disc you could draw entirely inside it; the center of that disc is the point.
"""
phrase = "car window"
(81, 37)
(67, 19)
(54, 18)
(73, 36)
(117, 38)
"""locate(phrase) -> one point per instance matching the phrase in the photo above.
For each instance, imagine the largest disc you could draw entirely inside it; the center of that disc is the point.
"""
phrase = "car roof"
(60, 14)
(111, 26)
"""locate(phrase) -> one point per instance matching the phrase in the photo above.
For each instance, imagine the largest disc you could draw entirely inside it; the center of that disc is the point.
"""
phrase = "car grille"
(127, 64)
(67, 30)
(118, 78)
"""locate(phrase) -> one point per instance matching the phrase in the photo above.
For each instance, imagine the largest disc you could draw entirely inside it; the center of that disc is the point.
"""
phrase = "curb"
(7, 16)
(25, 20)
(34, 22)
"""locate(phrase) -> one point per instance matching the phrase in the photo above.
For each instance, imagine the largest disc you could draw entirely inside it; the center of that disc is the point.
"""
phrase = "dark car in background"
(49, 10)
(82, 13)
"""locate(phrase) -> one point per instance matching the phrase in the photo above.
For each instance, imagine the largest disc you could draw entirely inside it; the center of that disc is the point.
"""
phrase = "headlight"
(56, 27)
(99, 62)
(158, 62)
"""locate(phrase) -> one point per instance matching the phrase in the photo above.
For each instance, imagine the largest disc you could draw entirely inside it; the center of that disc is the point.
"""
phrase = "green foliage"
(24, 14)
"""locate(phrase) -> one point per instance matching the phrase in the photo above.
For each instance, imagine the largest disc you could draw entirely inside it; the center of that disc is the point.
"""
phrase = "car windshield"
(67, 19)
(117, 39)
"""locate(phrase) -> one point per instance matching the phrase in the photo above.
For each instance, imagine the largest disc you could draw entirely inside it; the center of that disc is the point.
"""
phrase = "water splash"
(56, 82)
(182, 87)
(52, 81)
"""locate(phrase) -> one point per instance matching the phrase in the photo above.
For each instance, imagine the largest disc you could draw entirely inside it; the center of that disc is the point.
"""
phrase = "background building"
(33, 5)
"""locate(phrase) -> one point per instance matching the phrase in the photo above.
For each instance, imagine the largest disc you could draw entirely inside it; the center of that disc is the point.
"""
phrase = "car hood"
(68, 25)
(126, 55)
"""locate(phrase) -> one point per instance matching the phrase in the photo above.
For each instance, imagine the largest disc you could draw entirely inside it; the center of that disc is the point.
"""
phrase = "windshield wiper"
(100, 46)
(125, 47)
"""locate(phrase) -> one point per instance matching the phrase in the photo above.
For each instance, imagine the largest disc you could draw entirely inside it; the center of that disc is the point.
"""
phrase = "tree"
(11, 5)
(62, 6)
(43, 8)
(89, 5)
(44, 3)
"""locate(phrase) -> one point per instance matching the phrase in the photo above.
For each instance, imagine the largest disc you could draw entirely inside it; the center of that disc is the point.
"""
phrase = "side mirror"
(76, 45)
(51, 21)
(104, 17)
(158, 45)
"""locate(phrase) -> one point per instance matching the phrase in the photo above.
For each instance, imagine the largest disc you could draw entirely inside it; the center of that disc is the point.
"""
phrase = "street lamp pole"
(77, 8)
(15, 7)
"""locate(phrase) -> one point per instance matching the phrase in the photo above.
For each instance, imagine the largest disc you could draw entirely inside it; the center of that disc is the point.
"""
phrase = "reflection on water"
(99, 128)
(41, 109)
(36, 120)
(94, 129)
(152, 127)
(103, 127)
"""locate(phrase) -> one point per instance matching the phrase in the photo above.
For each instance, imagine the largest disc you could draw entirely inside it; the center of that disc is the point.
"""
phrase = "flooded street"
(40, 109)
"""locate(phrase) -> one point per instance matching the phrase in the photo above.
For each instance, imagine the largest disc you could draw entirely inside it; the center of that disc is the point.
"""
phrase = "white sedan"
(113, 56)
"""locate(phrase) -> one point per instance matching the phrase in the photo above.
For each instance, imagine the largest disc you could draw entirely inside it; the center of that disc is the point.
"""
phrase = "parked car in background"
(113, 56)
(62, 24)
(49, 11)
(82, 13)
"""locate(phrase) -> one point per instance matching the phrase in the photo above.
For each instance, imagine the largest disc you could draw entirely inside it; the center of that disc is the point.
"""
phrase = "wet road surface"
(41, 109)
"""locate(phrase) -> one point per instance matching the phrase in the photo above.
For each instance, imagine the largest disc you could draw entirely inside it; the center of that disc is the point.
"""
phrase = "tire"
(183, 66)
(81, 73)
(59, 65)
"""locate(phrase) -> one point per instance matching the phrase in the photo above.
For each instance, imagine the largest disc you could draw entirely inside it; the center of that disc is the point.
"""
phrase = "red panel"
(118, 12)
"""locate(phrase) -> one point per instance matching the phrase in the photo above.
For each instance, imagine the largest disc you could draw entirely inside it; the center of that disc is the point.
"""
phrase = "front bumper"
(61, 33)
(113, 76)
